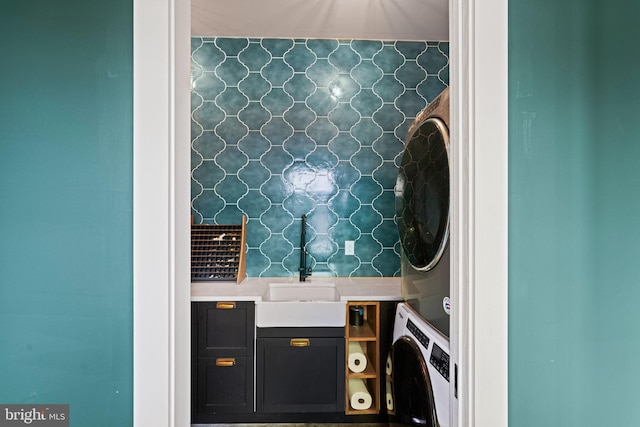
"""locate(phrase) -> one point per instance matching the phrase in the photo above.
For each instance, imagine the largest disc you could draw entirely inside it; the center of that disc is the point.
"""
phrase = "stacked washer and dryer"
(418, 364)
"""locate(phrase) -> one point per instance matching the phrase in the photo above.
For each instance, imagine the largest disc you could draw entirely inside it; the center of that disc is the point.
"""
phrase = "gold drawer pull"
(226, 362)
(225, 305)
(299, 342)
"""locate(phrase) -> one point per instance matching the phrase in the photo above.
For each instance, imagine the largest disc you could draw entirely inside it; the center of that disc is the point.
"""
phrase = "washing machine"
(422, 213)
(418, 368)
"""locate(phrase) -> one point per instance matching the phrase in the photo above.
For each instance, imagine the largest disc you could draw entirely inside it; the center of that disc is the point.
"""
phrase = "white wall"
(347, 19)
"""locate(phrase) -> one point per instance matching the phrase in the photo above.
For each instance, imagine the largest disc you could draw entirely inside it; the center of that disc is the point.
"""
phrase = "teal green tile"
(275, 189)
(254, 86)
(366, 160)
(344, 117)
(231, 101)
(321, 131)
(299, 116)
(208, 86)
(321, 248)
(269, 132)
(322, 102)
(208, 174)
(298, 203)
(254, 174)
(231, 71)
(231, 159)
(432, 60)
(345, 175)
(387, 263)
(410, 50)
(231, 188)
(344, 58)
(343, 88)
(366, 102)
(277, 101)
(389, 88)
(322, 48)
(299, 87)
(277, 72)
(386, 233)
(254, 115)
(254, 144)
(321, 219)
(277, 130)
(254, 57)
(366, 48)
(231, 130)
(344, 230)
(366, 218)
(299, 145)
(366, 74)
(299, 57)
(254, 203)
(322, 159)
(410, 103)
(208, 204)
(322, 72)
(256, 233)
(366, 131)
(344, 145)
(231, 46)
(388, 117)
(208, 56)
(388, 59)
(277, 47)
(410, 74)
(276, 248)
(208, 144)
(276, 218)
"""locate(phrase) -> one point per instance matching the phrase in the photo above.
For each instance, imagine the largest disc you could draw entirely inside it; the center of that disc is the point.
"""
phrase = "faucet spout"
(304, 271)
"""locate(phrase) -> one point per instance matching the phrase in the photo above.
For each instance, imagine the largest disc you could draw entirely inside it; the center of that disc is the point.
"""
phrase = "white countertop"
(252, 288)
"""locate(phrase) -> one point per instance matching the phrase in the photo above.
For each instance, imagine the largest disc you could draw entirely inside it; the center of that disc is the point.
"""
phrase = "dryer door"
(412, 391)
(422, 194)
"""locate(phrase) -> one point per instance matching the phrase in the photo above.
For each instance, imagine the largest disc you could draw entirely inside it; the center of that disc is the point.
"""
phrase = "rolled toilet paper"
(389, 397)
(389, 365)
(359, 397)
(357, 359)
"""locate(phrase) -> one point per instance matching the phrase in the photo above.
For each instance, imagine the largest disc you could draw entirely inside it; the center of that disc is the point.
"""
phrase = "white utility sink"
(300, 305)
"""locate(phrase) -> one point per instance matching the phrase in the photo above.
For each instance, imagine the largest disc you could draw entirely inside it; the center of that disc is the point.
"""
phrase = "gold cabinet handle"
(225, 362)
(225, 305)
(299, 342)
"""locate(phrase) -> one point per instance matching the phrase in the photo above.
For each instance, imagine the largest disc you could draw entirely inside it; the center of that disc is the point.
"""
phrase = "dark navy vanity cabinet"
(300, 370)
(222, 359)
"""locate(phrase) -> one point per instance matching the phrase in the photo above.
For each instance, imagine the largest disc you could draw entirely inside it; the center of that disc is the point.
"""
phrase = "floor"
(307, 425)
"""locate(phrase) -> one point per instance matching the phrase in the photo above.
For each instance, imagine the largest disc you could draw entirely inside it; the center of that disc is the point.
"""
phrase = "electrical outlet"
(349, 247)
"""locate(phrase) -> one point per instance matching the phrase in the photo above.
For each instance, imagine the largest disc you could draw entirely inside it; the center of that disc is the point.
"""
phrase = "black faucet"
(304, 271)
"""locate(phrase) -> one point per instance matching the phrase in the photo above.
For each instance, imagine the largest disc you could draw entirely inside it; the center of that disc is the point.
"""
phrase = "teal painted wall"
(574, 199)
(66, 207)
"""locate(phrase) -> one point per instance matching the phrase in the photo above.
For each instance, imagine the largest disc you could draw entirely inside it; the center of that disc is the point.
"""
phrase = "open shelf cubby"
(368, 336)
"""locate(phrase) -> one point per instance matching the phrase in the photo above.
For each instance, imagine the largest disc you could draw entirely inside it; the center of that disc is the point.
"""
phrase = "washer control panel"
(440, 360)
(420, 336)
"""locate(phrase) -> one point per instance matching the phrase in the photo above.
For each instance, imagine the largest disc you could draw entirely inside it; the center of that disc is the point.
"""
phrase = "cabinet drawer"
(300, 375)
(224, 386)
(225, 329)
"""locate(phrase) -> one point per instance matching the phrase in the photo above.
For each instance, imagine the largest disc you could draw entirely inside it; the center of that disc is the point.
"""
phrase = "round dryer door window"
(412, 390)
(422, 194)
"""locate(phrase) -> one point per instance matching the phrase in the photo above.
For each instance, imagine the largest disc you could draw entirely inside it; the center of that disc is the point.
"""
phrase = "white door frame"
(478, 47)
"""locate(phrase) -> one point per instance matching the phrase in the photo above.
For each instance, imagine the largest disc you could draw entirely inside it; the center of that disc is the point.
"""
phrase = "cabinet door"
(224, 386)
(225, 329)
(300, 375)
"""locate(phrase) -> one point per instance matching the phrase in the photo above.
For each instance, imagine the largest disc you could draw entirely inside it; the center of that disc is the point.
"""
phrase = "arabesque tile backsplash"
(286, 127)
